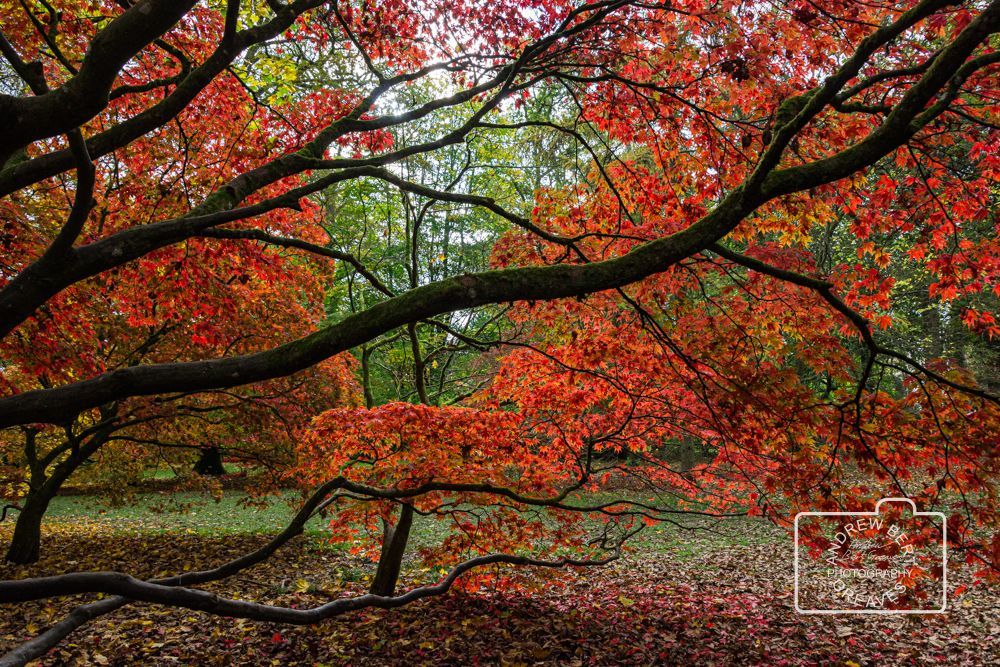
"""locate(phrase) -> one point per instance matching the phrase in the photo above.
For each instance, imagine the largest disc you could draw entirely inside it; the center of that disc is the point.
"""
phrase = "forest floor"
(693, 598)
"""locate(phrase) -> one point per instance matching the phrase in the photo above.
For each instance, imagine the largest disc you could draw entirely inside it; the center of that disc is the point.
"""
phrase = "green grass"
(185, 511)
(198, 513)
(163, 471)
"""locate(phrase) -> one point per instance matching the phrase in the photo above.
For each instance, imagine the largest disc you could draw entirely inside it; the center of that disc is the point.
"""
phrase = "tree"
(185, 302)
(714, 136)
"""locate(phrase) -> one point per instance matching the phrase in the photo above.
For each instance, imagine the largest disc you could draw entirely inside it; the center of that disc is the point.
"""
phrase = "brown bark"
(390, 561)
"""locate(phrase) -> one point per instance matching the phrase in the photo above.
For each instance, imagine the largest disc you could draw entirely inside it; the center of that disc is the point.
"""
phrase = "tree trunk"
(24, 545)
(391, 559)
(687, 456)
(419, 366)
(43, 486)
(366, 376)
(210, 462)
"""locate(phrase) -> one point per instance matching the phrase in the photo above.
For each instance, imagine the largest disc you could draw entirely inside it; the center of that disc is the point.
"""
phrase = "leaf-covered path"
(699, 600)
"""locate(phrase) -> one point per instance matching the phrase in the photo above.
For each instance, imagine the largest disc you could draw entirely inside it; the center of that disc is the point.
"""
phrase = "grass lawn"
(197, 513)
(185, 511)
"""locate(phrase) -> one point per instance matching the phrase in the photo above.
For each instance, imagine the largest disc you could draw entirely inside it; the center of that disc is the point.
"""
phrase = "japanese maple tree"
(717, 263)
(184, 302)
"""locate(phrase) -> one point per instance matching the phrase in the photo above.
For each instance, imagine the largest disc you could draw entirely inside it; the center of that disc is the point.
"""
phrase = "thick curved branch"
(123, 585)
(83, 199)
(947, 72)
(468, 291)
(45, 278)
(557, 501)
(814, 101)
(28, 119)
(38, 646)
(103, 143)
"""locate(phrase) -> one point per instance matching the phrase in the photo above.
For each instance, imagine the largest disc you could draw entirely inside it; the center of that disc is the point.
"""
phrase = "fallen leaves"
(704, 600)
